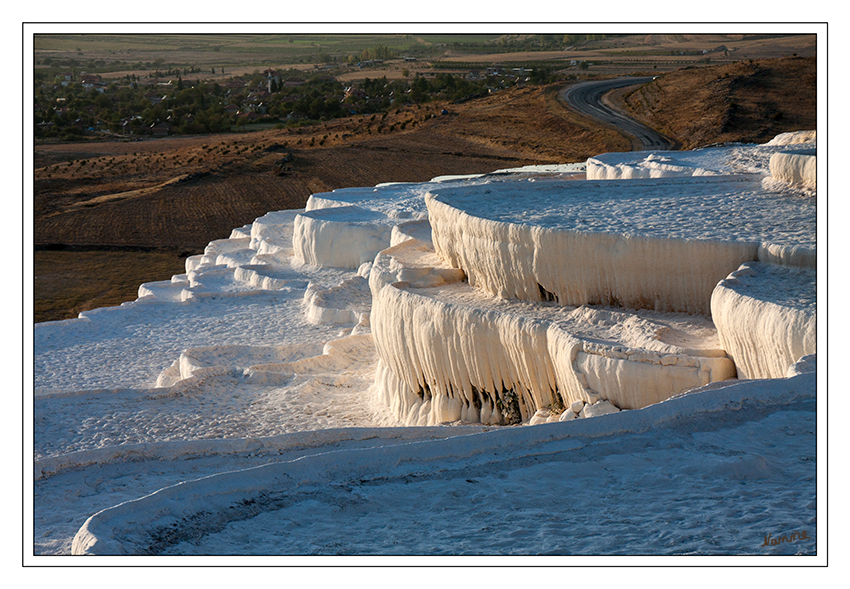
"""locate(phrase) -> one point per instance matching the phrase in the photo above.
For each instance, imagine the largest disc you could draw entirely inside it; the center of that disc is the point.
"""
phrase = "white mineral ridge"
(451, 353)
(255, 404)
(660, 244)
(602, 407)
(346, 303)
(724, 159)
(794, 138)
(795, 168)
(340, 237)
(766, 317)
(208, 360)
(347, 228)
(419, 230)
(275, 226)
(399, 201)
(653, 165)
(539, 169)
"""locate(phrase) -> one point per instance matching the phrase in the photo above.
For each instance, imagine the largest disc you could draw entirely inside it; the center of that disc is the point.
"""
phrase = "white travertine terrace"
(341, 237)
(662, 244)
(521, 297)
(282, 376)
(766, 317)
(795, 138)
(653, 165)
(659, 244)
(452, 353)
(716, 160)
(795, 168)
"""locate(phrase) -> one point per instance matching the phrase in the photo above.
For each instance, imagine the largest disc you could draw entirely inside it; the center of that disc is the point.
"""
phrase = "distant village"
(71, 105)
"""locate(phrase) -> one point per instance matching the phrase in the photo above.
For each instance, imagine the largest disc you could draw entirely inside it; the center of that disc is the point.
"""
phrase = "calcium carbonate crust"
(442, 361)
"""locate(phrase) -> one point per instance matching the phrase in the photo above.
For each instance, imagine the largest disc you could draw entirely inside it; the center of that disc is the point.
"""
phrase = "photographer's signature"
(769, 540)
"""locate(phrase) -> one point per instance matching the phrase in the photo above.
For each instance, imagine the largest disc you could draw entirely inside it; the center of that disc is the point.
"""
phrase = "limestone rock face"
(766, 317)
(795, 168)
(520, 297)
(450, 352)
(660, 244)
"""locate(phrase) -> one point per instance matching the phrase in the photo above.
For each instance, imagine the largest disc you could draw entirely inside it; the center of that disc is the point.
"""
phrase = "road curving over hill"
(587, 98)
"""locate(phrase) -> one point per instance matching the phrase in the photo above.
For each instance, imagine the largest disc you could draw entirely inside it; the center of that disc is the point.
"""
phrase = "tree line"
(130, 106)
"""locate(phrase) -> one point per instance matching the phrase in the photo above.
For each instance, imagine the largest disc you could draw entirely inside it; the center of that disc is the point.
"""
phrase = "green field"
(230, 49)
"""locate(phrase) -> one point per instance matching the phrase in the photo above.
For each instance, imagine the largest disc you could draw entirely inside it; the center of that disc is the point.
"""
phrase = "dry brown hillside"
(186, 192)
(101, 207)
(749, 101)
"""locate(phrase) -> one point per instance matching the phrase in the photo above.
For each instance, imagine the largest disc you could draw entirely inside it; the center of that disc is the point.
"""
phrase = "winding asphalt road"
(586, 98)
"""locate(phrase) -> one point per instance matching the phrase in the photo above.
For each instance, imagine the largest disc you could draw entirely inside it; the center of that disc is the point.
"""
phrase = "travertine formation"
(533, 262)
(795, 168)
(766, 317)
(452, 353)
(521, 297)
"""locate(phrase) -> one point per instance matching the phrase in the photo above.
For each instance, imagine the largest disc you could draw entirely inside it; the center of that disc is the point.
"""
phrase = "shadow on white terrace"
(650, 314)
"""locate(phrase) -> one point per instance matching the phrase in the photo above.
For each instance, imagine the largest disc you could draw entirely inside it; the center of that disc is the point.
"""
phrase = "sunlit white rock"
(644, 165)
(794, 138)
(347, 302)
(236, 387)
(340, 237)
(598, 408)
(766, 317)
(449, 352)
(795, 168)
(657, 244)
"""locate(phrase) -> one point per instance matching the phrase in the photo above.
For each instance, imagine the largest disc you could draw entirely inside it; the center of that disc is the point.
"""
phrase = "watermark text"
(769, 540)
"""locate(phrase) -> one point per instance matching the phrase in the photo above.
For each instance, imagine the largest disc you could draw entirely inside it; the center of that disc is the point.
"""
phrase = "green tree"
(419, 90)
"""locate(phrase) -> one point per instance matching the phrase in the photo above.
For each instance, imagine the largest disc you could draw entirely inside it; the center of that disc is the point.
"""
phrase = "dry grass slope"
(749, 101)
